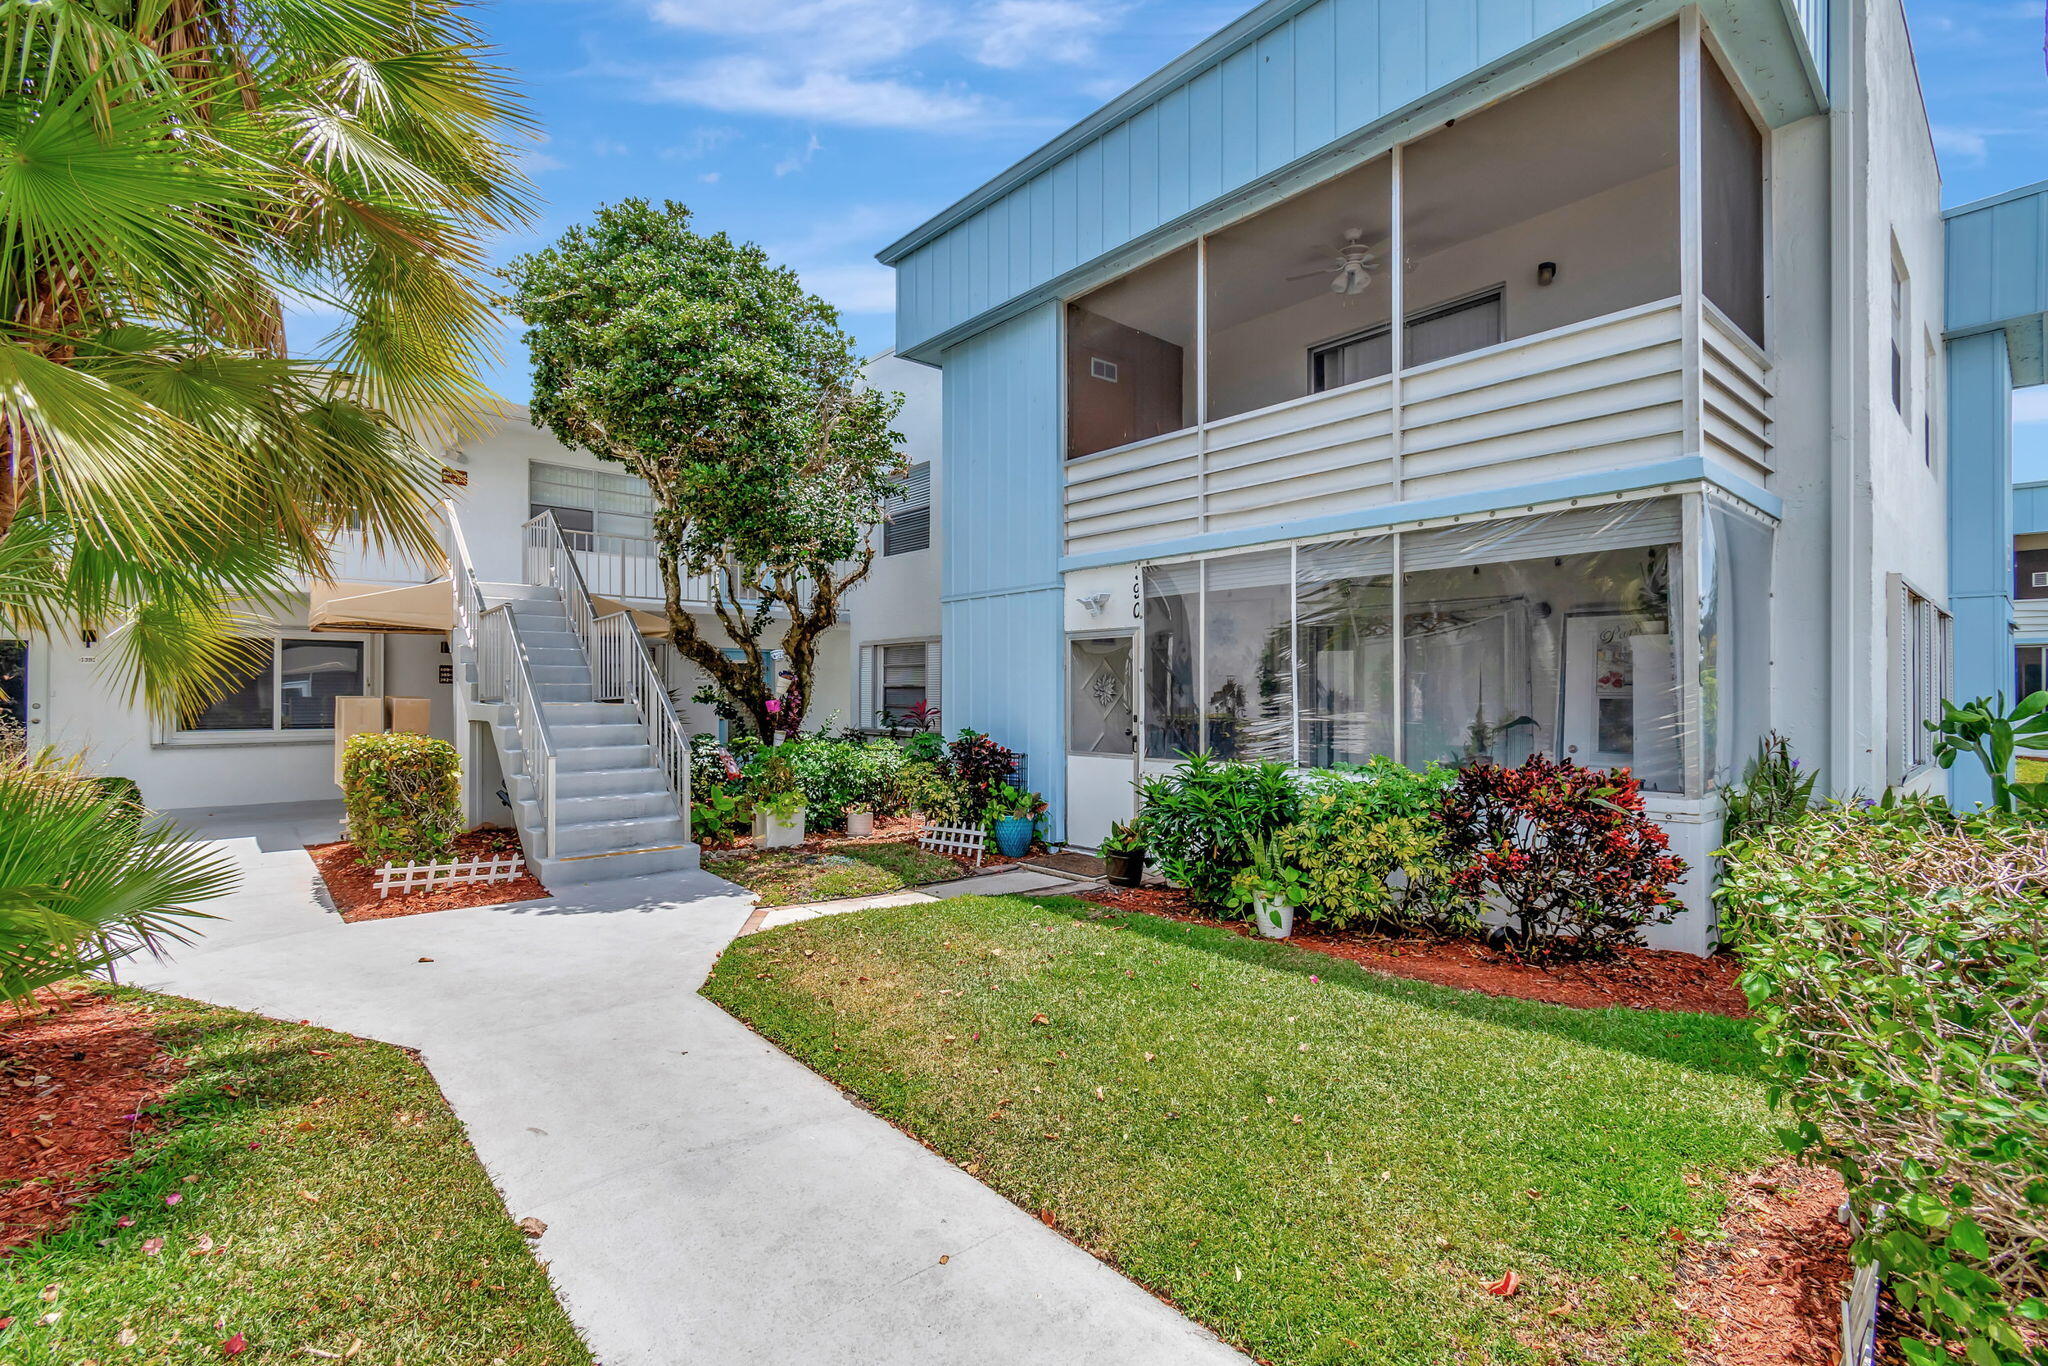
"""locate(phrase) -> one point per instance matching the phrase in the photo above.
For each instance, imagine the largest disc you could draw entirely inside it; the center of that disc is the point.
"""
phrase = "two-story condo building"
(1447, 380)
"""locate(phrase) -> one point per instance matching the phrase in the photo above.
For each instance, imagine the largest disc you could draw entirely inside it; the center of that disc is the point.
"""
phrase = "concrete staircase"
(615, 816)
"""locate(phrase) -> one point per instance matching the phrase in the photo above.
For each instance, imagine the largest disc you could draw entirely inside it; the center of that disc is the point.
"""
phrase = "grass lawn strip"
(1320, 1163)
(309, 1191)
(788, 877)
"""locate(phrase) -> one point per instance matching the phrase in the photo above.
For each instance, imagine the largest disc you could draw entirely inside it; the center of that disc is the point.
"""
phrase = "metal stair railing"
(503, 675)
(620, 667)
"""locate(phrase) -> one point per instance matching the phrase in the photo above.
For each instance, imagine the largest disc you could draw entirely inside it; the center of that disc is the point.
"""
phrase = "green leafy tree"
(172, 176)
(708, 372)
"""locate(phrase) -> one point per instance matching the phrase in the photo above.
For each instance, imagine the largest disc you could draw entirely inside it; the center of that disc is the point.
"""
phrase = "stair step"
(585, 758)
(600, 782)
(578, 736)
(631, 832)
(611, 807)
(624, 863)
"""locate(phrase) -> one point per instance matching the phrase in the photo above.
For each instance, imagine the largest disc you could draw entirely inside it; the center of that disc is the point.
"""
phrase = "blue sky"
(823, 129)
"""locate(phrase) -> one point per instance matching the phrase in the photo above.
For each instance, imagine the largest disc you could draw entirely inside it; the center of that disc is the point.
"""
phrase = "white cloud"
(751, 85)
(709, 177)
(1966, 144)
(857, 287)
(702, 142)
(1016, 33)
(846, 61)
(796, 161)
(539, 163)
(609, 147)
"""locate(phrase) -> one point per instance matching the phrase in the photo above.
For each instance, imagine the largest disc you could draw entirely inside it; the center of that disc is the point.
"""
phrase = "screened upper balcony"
(1534, 257)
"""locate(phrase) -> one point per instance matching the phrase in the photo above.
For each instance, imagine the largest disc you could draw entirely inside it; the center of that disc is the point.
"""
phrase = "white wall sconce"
(1094, 603)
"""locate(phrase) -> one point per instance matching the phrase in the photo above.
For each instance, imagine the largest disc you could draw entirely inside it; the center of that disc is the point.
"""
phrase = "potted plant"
(778, 803)
(1270, 887)
(1123, 853)
(1012, 817)
(860, 821)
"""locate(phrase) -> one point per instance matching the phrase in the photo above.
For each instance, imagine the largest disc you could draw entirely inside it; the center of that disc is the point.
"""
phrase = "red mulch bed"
(354, 887)
(1642, 979)
(76, 1074)
(1771, 1291)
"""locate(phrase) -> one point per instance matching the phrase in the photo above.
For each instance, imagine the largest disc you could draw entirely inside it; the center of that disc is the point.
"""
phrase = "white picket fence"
(426, 877)
(954, 839)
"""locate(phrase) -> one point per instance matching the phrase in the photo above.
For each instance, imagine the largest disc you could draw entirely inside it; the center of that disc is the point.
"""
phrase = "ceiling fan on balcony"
(1352, 268)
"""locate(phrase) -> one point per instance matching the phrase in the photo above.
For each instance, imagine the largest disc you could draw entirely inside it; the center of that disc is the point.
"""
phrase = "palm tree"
(175, 174)
(86, 878)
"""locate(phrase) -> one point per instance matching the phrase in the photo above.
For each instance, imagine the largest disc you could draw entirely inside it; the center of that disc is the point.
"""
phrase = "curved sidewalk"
(707, 1199)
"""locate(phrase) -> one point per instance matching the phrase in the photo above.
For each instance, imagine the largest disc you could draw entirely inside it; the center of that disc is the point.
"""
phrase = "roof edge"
(1993, 201)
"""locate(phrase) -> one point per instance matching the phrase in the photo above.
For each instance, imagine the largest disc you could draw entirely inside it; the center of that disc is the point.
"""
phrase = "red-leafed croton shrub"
(1568, 851)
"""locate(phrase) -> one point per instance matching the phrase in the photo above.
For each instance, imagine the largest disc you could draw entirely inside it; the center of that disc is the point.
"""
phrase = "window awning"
(421, 609)
(413, 609)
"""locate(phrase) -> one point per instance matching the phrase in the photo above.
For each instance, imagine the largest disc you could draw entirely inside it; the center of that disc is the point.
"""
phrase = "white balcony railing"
(1602, 394)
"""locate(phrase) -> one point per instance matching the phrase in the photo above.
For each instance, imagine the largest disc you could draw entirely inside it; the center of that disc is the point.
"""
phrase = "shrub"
(1774, 791)
(1569, 850)
(718, 817)
(981, 766)
(404, 796)
(712, 766)
(876, 764)
(926, 747)
(927, 789)
(1202, 819)
(1362, 833)
(1897, 960)
(86, 878)
(838, 775)
(1993, 734)
(125, 792)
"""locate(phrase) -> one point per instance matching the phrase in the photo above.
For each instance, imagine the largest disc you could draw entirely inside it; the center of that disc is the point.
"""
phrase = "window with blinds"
(595, 508)
(907, 515)
(1920, 676)
(1433, 334)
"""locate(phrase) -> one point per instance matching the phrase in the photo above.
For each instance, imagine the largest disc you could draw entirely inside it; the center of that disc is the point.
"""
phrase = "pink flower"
(173, 1198)
(773, 706)
(152, 1246)
(1313, 978)
(125, 1221)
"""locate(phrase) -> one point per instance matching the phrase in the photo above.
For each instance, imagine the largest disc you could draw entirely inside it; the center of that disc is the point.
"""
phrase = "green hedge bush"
(1897, 960)
(1361, 833)
(404, 797)
(1203, 819)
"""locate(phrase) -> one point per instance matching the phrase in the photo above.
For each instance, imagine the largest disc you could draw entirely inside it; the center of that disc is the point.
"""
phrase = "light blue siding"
(1292, 79)
(1000, 505)
(1997, 273)
(2029, 509)
(1980, 527)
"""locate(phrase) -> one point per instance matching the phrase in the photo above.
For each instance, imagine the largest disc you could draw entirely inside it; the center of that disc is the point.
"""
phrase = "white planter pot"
(860, 823)
(771, 833)
(1275, 917)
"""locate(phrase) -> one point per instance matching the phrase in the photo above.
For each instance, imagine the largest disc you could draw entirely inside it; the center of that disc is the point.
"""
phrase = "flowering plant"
(980, 766)
(1569, 850)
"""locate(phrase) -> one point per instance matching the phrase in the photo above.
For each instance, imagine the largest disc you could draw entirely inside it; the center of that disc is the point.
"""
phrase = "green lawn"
(1321, 1164)
(2031, 770)
(784, 877)
(339, 1198)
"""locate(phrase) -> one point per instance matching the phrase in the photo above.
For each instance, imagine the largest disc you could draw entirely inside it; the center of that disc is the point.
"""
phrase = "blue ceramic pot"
(1013, 835)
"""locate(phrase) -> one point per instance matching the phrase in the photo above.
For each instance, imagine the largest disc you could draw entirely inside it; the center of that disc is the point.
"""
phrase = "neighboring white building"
(273, 740)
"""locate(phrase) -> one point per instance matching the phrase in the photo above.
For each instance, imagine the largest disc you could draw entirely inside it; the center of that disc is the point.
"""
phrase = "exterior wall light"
(1546, 273)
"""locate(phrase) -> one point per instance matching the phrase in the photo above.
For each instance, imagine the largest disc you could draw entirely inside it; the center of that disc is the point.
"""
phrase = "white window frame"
(169, 735)
(869, 685)
(1902, 337)
(1921, 649)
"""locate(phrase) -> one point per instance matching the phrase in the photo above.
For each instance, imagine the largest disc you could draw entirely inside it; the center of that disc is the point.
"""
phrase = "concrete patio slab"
(707, 1198)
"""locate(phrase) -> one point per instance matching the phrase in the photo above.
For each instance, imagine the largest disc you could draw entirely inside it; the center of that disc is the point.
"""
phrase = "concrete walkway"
(707, 1199)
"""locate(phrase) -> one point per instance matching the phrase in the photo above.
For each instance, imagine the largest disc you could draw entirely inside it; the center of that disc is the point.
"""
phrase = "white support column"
(1202, 383)
(1397, 327)
(1685, 643)
(1691, 195)
(1400, 604)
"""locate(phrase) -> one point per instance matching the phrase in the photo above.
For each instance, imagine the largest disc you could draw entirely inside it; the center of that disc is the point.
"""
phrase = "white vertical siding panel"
(1358, 76)
(1401, 54)
(1089, 236)
(1066, 253)
(1504, 25)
